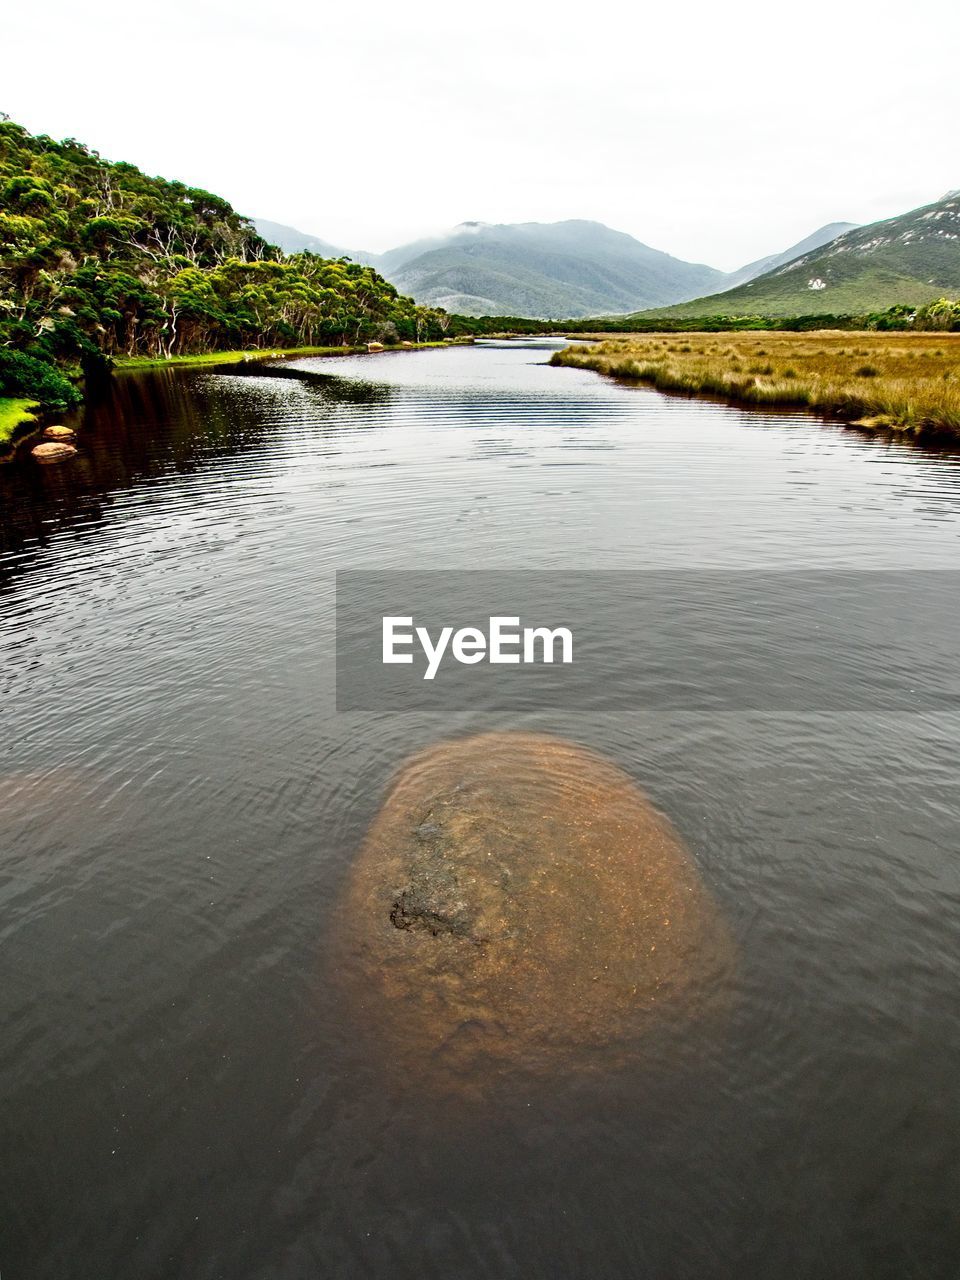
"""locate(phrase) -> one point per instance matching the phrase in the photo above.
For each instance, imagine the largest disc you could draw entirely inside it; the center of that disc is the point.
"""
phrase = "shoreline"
(858, 400)
(122, 364)
(22, 419)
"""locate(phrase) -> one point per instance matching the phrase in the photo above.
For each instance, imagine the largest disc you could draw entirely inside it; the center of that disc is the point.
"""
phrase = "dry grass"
(908, 382)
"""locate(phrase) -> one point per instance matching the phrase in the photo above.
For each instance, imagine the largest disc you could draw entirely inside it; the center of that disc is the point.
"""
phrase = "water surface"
(182, 1095)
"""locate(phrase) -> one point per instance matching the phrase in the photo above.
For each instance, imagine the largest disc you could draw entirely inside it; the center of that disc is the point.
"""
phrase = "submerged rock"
(519, 897)
(53, 452)
(59, 433)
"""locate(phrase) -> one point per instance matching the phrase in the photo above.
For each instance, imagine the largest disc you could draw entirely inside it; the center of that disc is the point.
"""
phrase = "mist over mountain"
(542, 270)
(574, 268)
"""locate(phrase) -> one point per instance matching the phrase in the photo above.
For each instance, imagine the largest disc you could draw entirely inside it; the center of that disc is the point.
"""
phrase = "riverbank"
(22, 418)
(17, 417)
(274, 353)
(903, 382)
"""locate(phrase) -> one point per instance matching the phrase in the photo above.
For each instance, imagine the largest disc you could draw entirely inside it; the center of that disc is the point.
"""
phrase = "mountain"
(559, 269)
(912, 259)
(815, 241)
(290, 240)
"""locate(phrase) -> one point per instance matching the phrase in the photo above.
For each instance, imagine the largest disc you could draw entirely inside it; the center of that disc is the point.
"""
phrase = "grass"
(14, 415)
(857, 290)
(237, 357)
(905, 382)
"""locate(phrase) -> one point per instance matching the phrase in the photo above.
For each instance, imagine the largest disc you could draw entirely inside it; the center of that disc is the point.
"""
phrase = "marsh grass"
(908, 382)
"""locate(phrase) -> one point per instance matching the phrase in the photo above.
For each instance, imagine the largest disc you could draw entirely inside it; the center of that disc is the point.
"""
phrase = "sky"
(718, 133)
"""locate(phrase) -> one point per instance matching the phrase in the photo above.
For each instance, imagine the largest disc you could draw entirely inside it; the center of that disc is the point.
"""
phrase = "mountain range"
(573, 269)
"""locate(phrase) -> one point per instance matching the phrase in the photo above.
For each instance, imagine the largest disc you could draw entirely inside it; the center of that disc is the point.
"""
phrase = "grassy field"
(907, 382)
(228, 357)
(13, 415)
(237, 357)
(855, 289)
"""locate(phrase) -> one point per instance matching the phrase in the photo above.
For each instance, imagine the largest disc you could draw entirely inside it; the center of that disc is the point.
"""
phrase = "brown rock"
(374, 346)
(53, 452)
(518, 898)
(59, 433)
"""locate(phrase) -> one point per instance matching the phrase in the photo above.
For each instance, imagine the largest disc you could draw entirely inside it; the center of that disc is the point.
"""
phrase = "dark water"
(183, 1091)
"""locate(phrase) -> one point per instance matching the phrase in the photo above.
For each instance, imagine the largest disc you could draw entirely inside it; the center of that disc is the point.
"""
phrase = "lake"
(186, 1091)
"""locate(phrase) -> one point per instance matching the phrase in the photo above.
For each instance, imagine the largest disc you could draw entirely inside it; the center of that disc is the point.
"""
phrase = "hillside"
(817, 239)
(567, 269)
(99, 260)
(912, 259)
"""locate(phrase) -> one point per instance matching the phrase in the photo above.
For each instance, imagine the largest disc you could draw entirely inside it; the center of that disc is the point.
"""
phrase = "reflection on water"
(182, 811)
(140, 429)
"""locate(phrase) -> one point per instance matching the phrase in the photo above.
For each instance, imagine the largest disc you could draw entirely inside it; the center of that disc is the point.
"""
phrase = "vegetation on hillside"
(904, 382)
(911, 259)
(98, 260)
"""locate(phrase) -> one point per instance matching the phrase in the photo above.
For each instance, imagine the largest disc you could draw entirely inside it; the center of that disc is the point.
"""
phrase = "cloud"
(718, 133)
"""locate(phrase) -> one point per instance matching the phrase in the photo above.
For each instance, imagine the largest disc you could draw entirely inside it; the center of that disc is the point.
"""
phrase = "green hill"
(99, 260)
(816, 240)
(911, 259)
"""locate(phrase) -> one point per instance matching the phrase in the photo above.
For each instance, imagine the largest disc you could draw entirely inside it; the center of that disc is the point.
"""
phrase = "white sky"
(717, 132)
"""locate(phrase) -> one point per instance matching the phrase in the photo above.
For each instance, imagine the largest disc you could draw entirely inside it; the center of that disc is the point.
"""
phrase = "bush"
(25, 377)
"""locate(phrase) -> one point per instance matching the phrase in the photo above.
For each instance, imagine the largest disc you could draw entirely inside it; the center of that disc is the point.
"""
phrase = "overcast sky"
(716, 132)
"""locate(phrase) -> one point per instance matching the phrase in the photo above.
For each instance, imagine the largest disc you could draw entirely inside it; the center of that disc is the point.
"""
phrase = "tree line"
(98, 260)
(941, 316)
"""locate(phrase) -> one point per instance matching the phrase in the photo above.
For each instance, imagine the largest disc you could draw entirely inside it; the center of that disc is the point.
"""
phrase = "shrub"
(23, 376)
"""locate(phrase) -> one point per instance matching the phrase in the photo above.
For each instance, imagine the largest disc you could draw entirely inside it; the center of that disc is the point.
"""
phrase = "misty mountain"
(559, 269)
(290, 240)
(567, 270)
